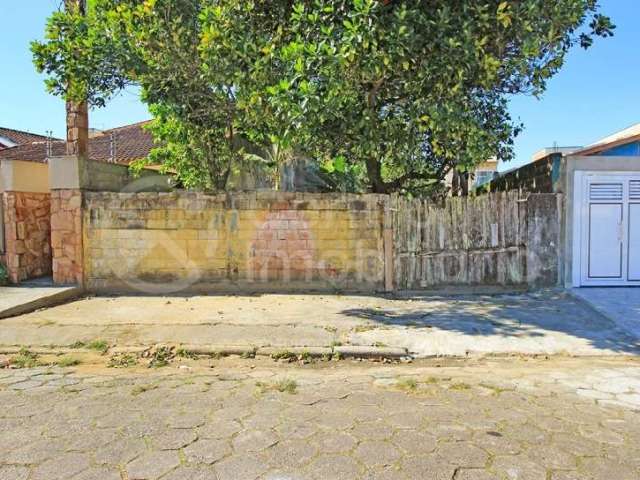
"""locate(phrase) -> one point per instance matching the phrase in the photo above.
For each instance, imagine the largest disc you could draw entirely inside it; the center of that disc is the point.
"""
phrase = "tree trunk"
(374, 173)
(77, 112)
(77, 128)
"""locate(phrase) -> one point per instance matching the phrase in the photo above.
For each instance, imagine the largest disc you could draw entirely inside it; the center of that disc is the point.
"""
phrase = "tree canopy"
(384, 96)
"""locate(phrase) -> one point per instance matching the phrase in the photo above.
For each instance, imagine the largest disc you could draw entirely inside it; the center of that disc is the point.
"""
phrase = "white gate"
(607, 246)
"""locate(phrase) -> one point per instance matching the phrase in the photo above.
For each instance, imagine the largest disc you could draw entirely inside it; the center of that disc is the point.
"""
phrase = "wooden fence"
(493, 239)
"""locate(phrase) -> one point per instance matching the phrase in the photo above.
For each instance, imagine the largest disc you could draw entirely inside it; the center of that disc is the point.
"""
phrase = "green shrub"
(4, 275)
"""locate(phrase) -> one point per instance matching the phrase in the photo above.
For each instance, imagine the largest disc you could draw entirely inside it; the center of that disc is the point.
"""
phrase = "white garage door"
(610, 230)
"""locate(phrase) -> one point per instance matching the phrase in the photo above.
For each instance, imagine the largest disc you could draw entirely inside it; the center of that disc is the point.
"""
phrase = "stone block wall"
(496, 239)
(66, 236)
(27, 235)
(167, 242)
(541, 176)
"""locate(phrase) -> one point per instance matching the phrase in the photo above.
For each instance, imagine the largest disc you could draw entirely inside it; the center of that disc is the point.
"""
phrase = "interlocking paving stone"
(173, 439)
(377, 453)
(472, 423)
(430, 466)
(152, 465)
(247, 467)
(62, 467)
(290, 454)
(333, 466)
(207, 451)
(191, 473)
(98, 473)
(335, 442)
(13, 472)
(254, 440)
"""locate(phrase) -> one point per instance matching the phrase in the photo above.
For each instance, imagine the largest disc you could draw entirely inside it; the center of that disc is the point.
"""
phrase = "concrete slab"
(621, 305)
(549, 323)
(17, 300)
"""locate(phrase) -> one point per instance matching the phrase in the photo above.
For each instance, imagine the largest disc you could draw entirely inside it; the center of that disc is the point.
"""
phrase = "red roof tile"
(132, 142)
(19, 137)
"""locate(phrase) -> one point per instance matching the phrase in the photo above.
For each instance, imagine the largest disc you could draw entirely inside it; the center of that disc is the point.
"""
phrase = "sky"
(596, 93)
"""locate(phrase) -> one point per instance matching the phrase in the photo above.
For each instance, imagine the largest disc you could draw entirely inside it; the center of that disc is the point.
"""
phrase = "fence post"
(387, 237)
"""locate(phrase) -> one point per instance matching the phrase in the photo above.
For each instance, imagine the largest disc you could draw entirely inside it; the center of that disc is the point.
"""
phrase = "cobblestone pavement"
(560, 419)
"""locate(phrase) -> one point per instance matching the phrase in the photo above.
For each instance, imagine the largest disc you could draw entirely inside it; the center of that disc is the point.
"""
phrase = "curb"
(43, 302)
(315, 352)
(348, 351)
(357, 351)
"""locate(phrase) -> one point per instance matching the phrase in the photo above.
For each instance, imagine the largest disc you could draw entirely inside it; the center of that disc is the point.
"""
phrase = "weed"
(432, 380)
(495, 389)
(336, 356)
(407, 384)
(336, 343)
(139, 389)
(330, 328)
(284, 355)
(98, 345)
(286, 385)
(78, 344)
(380, 344)
(25, 359)
(460, 386)
(67, 362)
(305, 357)
(364, 328)
(122, 360)
(248, 354)
(182, 353)
(161, 357)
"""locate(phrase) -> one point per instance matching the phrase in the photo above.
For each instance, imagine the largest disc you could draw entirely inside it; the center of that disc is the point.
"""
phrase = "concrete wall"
(495, 239)
(71, 172)
(164, 242)
(19, 176)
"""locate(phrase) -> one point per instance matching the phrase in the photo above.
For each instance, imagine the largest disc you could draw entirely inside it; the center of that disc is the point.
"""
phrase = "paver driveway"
(560, 419)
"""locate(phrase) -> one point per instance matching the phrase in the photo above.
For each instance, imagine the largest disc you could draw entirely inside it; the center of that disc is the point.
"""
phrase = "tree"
(385, 95)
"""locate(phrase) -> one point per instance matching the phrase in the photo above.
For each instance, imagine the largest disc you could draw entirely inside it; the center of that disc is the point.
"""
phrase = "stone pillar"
(66, 219)
(77, 129)
(66, 194)
(66, 236)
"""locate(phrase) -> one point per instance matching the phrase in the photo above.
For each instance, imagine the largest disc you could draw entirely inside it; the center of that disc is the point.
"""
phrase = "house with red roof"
(25, 196)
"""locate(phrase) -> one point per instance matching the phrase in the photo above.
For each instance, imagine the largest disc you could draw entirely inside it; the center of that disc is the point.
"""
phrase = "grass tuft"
(122, 360)
(407, 384)
(25, 359)
(460, 386)
(286, 385)
(67, 362)
(139, 389)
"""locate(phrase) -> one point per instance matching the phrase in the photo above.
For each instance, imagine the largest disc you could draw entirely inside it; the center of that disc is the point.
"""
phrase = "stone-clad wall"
(27, 235)
(155, 242)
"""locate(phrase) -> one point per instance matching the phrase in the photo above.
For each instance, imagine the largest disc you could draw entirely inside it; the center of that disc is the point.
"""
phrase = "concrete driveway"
(543, 323)
(621, 305)
(15, 300)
